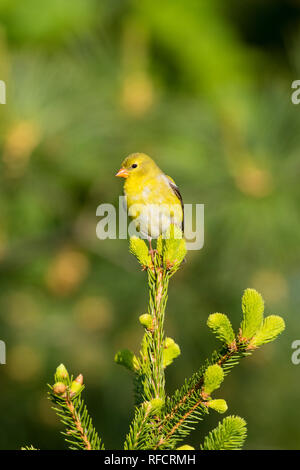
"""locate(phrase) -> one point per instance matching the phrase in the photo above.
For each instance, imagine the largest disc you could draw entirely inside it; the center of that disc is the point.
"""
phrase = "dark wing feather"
(177, 193)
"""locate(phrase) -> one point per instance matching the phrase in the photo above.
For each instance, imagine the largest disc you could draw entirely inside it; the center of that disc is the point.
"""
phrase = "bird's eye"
(134, 165)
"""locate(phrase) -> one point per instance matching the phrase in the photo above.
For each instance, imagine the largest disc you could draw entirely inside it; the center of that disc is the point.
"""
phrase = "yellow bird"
(153, 199)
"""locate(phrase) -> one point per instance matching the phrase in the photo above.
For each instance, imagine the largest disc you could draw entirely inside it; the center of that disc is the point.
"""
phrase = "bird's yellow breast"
(152, 203)
(145, 190)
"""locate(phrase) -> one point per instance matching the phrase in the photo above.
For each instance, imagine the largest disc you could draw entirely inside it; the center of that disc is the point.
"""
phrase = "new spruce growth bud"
(126, 358)
(272, 326)
(186, 447)
(170, 352)
(222, 328)
(146, 320)
(140, 250)
(77, 385)
(213, 377)
(219, 405)
(61, 373)
(173, 247)
(59, 388)
(253, 310)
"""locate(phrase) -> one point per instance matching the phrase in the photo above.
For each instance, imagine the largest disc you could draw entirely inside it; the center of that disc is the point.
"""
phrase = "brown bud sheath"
(79, 379)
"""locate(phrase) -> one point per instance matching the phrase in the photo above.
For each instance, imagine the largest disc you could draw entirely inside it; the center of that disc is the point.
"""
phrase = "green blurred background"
(204, 88)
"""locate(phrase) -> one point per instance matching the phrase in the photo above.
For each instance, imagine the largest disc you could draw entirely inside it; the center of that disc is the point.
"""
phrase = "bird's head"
(137, 165)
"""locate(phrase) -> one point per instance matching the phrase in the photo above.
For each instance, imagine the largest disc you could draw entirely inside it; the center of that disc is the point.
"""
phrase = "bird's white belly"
(154, 220)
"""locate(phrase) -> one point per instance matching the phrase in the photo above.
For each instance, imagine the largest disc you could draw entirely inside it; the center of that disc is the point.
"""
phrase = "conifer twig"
(77, 424)
(69, 406)
(150, 380)
(158, 287)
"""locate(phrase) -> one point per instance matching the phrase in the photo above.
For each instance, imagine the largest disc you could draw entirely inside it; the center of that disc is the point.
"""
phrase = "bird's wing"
(176, 191)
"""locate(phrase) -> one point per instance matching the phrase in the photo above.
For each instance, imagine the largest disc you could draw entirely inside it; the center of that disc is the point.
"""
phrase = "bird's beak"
(122, 173)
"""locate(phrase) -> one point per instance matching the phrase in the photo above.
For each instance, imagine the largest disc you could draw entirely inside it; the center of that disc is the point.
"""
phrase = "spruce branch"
(153, 365)
(150, 378)
(65, 394)
(177, 415)
(140, 428)
(191, 403)
(160, 421)
(157, 352)
(230, 434)
(182, 411)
